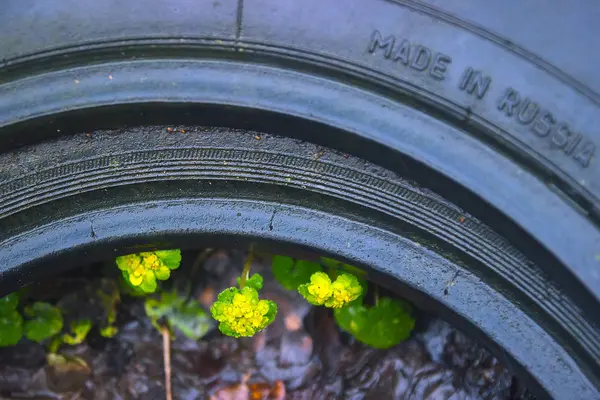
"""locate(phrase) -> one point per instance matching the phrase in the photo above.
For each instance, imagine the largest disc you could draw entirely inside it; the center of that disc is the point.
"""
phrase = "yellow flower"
(345, 289)
(143, 269)
(241, 313)
(321, 291)
(318, 290)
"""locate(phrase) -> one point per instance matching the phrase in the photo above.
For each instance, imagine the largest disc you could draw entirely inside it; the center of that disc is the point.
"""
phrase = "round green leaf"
(126, 287)
(255, 281)
(148, 284)
(292, 273)
(226, 296)
(163, 273)
(171, 258)
(272, 311)
(9, 302)
(124, 262)
(44, 321)
(353, 318)
(187, 317)
(11, 328)
(382, 326)
(158, 308)
(191, 320)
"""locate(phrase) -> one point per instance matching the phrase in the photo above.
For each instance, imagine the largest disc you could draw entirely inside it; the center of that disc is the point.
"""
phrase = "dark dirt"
(303, 355)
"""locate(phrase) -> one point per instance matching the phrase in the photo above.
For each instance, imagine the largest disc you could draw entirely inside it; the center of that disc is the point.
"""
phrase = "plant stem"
(246, 270)
(55, 344)
(166, 335)
(376, 294)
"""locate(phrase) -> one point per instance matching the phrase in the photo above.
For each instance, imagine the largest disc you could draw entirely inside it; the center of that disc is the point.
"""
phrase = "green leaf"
(125, 262)
(11, 328)
(272, 311)
(226, 296)
(9, 303)
(226, 330)
(163, 273)
(45, 321)
(255, 282)
(171, 258)
(148, 284)
(188, 317)
(292, 273)
(353, 319)
(158, 308)
(108, 331)
(303, 290)
(127, 288)
(191, 320)
(109, 296)
(382, 326)
(250, 293)
(79, 331)
(143, 269)
(282, 266)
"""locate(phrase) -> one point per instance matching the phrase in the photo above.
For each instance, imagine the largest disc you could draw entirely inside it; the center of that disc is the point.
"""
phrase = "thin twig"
(247, 265)
(166, 335)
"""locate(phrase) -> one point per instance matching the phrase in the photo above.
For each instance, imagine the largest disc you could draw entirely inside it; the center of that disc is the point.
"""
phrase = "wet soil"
(302, 355)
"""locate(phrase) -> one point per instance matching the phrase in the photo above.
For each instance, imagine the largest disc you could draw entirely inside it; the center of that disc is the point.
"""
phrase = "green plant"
(291, 273)
(109, 296)
(343, 288)
(383, 325)
(79, 331)
(11, 322)
(142, 270)
(321, 291)
(239, 310)
(44, 321)
(182, 314)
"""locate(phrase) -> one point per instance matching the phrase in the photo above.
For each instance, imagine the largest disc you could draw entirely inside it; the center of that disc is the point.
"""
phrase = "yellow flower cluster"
(143, 269)
(241, 313)
(321, 291)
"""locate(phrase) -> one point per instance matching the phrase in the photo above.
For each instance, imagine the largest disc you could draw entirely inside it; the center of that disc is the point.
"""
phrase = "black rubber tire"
(488, 110)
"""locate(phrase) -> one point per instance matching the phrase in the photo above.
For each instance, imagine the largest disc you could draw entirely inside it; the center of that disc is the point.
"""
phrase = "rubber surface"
(489, 106)
(521, 100)
(158, 185)
(519, 109)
